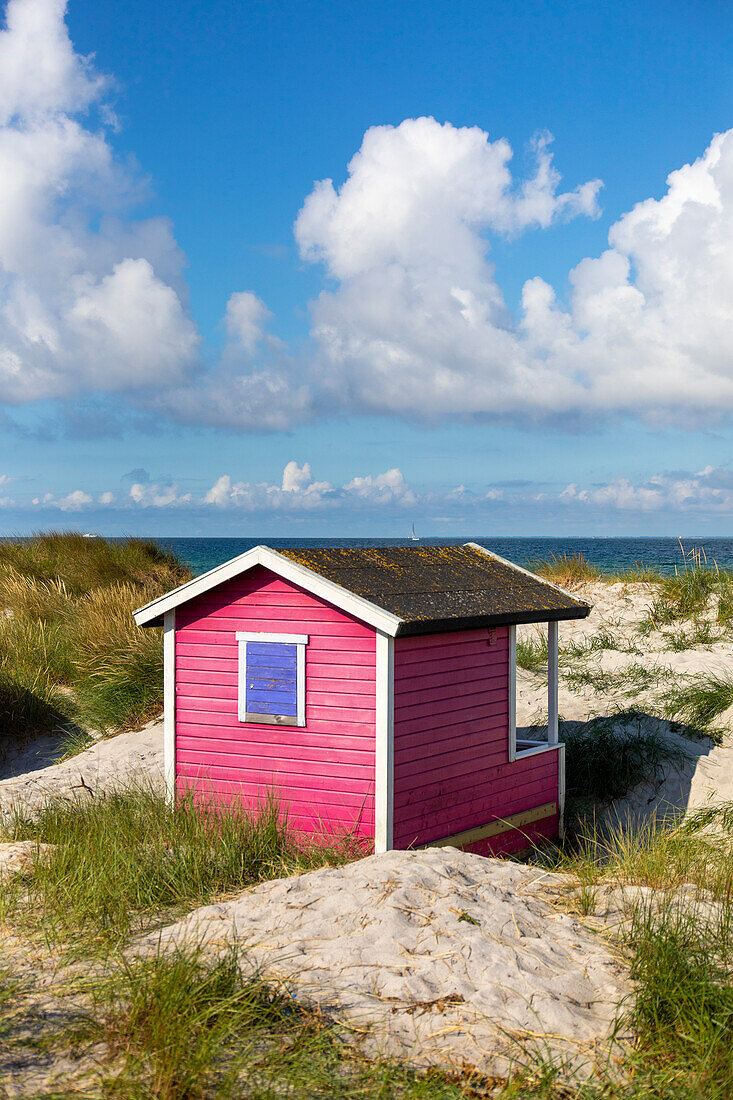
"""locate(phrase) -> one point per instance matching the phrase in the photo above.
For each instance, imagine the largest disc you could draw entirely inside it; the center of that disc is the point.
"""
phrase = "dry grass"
(67, 606)
(566, 570)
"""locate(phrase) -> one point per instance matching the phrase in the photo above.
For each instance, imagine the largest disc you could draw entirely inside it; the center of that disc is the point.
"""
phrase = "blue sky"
(196, 338)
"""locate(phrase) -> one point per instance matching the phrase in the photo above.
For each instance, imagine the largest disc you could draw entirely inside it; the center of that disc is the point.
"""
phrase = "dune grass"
(694, 591)
(77, 564)
(701, 634)
(566, 570)
(699, 701)
(606, 757)
(532, 652)
(29, 705)
(66, 606)
(571, 570)
(628, 681)
(120, 860)
(679, 949)
(181, 1027)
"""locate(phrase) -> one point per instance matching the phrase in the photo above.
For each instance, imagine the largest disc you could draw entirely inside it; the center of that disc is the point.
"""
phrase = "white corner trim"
(169, 705)
(527, 572)
(561, 788)
(300, 641)
(512, 692)
(552, 713)
(262, 636)
(384, 745)
(361, 609)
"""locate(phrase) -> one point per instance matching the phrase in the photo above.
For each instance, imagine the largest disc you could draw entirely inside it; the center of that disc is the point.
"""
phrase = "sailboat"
(413, 536)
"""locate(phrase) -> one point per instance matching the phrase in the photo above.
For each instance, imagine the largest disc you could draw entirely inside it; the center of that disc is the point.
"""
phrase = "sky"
(318, 269)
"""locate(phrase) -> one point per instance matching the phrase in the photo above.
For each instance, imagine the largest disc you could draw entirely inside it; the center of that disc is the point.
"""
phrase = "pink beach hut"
(372, 689)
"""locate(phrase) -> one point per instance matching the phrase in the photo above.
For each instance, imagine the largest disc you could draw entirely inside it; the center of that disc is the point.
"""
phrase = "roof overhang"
(475, 622)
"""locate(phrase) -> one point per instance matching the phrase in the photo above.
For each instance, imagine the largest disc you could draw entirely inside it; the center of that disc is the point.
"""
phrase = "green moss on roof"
(434, 588)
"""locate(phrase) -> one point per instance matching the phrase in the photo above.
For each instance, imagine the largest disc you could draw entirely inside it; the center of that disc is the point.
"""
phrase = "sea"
(611, 554)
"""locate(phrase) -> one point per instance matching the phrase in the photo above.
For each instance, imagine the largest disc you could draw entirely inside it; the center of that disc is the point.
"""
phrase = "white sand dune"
(439, 956)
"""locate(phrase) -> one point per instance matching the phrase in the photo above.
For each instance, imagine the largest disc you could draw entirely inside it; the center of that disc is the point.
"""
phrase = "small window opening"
(530, 741)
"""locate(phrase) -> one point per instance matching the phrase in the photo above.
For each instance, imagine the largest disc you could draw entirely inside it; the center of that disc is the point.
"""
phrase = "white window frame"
(298, 640)
(552, 741)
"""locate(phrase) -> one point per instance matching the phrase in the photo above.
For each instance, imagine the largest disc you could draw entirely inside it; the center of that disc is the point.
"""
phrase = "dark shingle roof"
(437, 588)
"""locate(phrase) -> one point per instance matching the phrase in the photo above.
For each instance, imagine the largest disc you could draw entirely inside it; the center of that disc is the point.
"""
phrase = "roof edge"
(477, 622)
(534, 576)
(151, 614)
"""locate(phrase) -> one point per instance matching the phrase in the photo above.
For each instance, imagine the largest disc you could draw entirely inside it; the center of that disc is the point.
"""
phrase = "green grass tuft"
(701, 633)
(700, 701)
(683, 1008)
(606, 757)
(184, 1027)
(120, 860)
(532, 653)
(566, 569)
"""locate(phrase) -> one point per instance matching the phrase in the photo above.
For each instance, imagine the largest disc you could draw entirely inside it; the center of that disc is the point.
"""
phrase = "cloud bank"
(707, 493)
(412, 322)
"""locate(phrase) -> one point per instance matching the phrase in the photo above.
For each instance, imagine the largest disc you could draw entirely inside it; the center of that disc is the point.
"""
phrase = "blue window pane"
(272, 679)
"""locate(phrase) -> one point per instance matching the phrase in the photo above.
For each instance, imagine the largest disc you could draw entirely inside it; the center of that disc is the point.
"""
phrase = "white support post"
(512, 692)
(561, 790)
(169, 704)
(384, 747)
(552, 723)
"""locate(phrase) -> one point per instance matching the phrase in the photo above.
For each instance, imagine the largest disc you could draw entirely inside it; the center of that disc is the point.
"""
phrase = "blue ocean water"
(202, 554)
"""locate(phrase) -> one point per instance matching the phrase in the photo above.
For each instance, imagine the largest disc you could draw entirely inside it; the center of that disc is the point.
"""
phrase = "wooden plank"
(360, 735)
(495, 828)
(421, 642)
(489, 796)
(169, 704)
(436, 690)
(410, 674)
(552, 712)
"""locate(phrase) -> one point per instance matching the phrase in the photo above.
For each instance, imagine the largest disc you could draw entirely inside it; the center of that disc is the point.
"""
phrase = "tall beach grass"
(66, 606)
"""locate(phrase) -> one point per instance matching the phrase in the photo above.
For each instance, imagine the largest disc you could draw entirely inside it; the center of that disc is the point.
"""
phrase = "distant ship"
(413, 536)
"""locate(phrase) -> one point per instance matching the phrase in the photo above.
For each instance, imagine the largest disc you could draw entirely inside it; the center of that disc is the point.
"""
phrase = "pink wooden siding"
(451, 752)
(323, 771)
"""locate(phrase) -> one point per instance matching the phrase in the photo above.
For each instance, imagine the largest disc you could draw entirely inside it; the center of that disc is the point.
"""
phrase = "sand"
(438, 956)
(115, 762)
(707, 774)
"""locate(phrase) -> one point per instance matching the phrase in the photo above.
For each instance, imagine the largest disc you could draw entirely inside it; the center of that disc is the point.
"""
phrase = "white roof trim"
(527, 573)
(289, 570)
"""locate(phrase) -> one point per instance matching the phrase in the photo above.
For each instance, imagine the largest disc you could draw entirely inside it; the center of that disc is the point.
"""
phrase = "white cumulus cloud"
(417, 325)
(412, 322)
(88, 300)
(75, 501)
